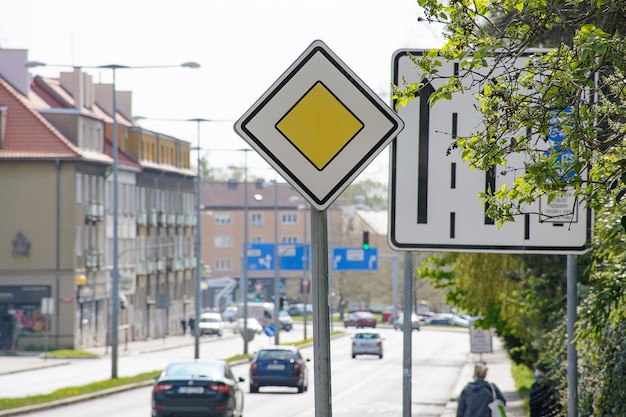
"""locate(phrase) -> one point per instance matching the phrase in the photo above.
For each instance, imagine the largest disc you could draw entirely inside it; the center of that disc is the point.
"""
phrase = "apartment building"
(56, 183)
(278, 213)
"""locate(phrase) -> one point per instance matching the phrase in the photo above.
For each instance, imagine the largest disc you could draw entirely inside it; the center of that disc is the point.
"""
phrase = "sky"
(243, 46)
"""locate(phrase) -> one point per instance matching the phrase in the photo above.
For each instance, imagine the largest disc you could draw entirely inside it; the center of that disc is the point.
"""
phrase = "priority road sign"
(319, 125)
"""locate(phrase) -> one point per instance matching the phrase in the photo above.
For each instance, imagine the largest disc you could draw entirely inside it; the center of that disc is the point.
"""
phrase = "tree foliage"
(584, 72)
(579, 84)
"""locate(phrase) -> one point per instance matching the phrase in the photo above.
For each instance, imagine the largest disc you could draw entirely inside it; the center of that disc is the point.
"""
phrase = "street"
(365, 385)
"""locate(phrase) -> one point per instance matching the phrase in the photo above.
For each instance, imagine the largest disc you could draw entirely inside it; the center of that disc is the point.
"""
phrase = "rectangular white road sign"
(434, 194)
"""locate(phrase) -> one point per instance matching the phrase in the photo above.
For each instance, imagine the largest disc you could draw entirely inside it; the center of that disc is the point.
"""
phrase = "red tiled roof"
(28, 135)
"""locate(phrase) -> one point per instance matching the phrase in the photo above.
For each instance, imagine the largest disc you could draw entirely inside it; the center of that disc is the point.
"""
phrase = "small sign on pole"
(480, 340)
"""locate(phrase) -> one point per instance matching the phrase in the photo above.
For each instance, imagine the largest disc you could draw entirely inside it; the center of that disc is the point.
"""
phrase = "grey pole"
(407, 330)
(304, 277)
(321, 328)
(198, 293)
(277, 295)
(244, 267)
(572, 367)
(115, 301)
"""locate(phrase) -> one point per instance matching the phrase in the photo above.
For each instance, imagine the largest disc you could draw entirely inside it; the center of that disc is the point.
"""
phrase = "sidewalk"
(27, 361)
(499, 373)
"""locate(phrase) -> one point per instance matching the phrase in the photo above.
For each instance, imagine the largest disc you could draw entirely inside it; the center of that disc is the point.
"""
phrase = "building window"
(223, 264)
(223, 218)
(79, 188)
(256, 239)
(290, 218)
(223, 241)
(257, 219)
(290, 239)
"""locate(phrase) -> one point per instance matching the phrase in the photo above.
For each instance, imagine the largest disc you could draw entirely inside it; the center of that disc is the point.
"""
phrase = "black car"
(279, 366)
(197, 388)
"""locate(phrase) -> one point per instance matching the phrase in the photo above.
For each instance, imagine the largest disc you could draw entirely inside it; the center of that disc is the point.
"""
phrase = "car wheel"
(380, 356)
(254, 389)
(353, 356)
(300, 388)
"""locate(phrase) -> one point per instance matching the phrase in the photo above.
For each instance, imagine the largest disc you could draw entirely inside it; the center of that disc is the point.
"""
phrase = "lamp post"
(304, 269)
(115, 301)
(277, 295)
(244, 258)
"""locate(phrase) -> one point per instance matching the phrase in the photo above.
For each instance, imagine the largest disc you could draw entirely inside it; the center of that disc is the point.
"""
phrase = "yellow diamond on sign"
(319, 125)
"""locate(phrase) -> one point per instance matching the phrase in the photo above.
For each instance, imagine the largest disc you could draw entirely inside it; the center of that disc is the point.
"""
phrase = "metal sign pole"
(321, 327)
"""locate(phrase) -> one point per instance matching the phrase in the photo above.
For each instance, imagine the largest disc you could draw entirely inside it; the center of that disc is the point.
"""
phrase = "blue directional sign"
(260, 256)
(355, 259)
(293, 256)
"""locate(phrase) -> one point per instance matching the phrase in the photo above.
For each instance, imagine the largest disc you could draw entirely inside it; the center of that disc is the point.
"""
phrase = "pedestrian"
(543, 400)
(476, 395)
(183, 325)
(192, 323)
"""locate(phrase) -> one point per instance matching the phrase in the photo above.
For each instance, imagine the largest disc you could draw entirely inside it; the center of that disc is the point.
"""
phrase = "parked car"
(442, 318)
(194, 387)
(285, 320)
(367, 343)
(360, 319)
(229, 314)
(298, 309)
(279, 365)
(211, 323)
(398, 323)
(252, 323)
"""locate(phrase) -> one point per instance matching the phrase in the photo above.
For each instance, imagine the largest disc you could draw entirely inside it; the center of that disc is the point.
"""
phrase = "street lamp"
(115, 271)
(304, 268)
(244, 262)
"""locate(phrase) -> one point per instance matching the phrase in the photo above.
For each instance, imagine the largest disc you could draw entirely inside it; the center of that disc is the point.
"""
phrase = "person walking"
(192, 324)
(542, 399)
(476, 395)
(183, 325)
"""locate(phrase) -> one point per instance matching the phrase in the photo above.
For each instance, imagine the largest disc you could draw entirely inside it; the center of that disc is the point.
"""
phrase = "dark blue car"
(197, 388)
(279, 366)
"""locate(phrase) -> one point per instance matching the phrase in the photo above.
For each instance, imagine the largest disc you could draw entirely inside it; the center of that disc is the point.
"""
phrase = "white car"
(416, 321)
(252, 323)
(367, 343)
(211, 323)
(229, 314)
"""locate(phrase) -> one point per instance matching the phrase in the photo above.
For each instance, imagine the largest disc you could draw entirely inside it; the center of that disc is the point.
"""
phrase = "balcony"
(171, 219)
(175, 264)
(162, 219)
(180, 219)
(152, 218)
(94, 260)
(142, 218)
(151, 267)
(141, 268)
(190, 263)
(94, 211)
(161, 265)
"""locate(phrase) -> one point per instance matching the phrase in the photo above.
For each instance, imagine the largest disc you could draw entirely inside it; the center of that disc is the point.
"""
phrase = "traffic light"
(366, 239)
(258, 297)
(281, 302)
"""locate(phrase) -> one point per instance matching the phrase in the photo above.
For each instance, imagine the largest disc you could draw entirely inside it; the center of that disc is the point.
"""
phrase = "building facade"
(56, 182)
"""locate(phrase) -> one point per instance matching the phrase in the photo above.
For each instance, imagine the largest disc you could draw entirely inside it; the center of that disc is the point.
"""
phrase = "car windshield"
(209, 319)
(365, 315)
(366, 336)
(281, 355)
(188, 370)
